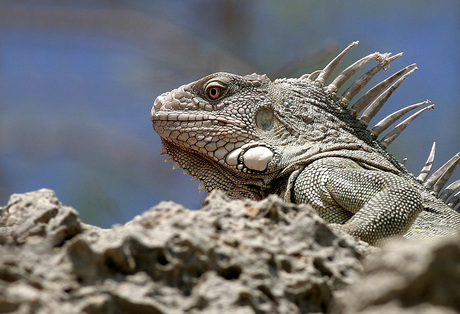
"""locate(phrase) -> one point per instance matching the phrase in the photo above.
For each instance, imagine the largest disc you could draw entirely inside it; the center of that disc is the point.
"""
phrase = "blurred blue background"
(78, 78)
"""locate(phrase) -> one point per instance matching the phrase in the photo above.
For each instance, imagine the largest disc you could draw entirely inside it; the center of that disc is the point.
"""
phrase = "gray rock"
(408, 277)
(232, 256)
(238, 256)
(37, 214)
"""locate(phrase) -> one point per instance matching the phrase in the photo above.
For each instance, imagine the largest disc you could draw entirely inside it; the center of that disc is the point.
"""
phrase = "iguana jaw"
(214, 175)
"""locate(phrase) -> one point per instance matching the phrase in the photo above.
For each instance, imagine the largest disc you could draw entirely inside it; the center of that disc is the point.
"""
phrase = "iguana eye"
(214, 90)
(264, 119)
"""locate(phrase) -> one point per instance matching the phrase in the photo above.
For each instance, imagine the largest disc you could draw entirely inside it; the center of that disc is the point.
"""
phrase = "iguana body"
(251, 137)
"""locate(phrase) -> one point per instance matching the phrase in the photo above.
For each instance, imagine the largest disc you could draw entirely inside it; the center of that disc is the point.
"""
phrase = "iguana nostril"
(158, 103)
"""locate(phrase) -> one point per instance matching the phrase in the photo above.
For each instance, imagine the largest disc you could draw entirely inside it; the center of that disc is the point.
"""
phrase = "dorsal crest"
(368, 105)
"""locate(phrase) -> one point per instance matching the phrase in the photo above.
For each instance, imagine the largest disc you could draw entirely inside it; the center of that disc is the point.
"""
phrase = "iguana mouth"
(186, 117)
(169, 116)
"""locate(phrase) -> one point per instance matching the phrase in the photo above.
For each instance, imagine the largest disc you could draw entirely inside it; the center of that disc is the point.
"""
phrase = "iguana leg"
(369, 204)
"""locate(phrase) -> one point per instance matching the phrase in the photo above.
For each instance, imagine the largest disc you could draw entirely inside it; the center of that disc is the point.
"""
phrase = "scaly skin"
(251, 137)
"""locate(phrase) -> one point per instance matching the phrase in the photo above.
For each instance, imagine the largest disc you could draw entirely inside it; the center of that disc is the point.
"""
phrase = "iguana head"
(238, 133)
(221, 129)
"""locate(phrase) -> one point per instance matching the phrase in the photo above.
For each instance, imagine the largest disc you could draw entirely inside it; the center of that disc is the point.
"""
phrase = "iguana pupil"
(214, 90)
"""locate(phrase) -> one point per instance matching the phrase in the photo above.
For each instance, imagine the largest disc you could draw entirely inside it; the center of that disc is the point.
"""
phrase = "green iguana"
(297, 138)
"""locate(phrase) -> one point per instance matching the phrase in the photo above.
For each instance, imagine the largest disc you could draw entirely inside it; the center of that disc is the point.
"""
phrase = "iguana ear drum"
(265, 119)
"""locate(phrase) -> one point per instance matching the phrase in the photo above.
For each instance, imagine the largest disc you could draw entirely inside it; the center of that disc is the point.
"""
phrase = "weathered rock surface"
(408, 277)
(229, 257)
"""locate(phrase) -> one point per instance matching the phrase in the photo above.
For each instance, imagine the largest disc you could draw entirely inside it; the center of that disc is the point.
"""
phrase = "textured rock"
(408, 277)
(239, 256)
(37, 214)
(232, 256)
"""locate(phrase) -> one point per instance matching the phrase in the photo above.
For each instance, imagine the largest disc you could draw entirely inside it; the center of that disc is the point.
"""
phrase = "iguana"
(297, 138)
